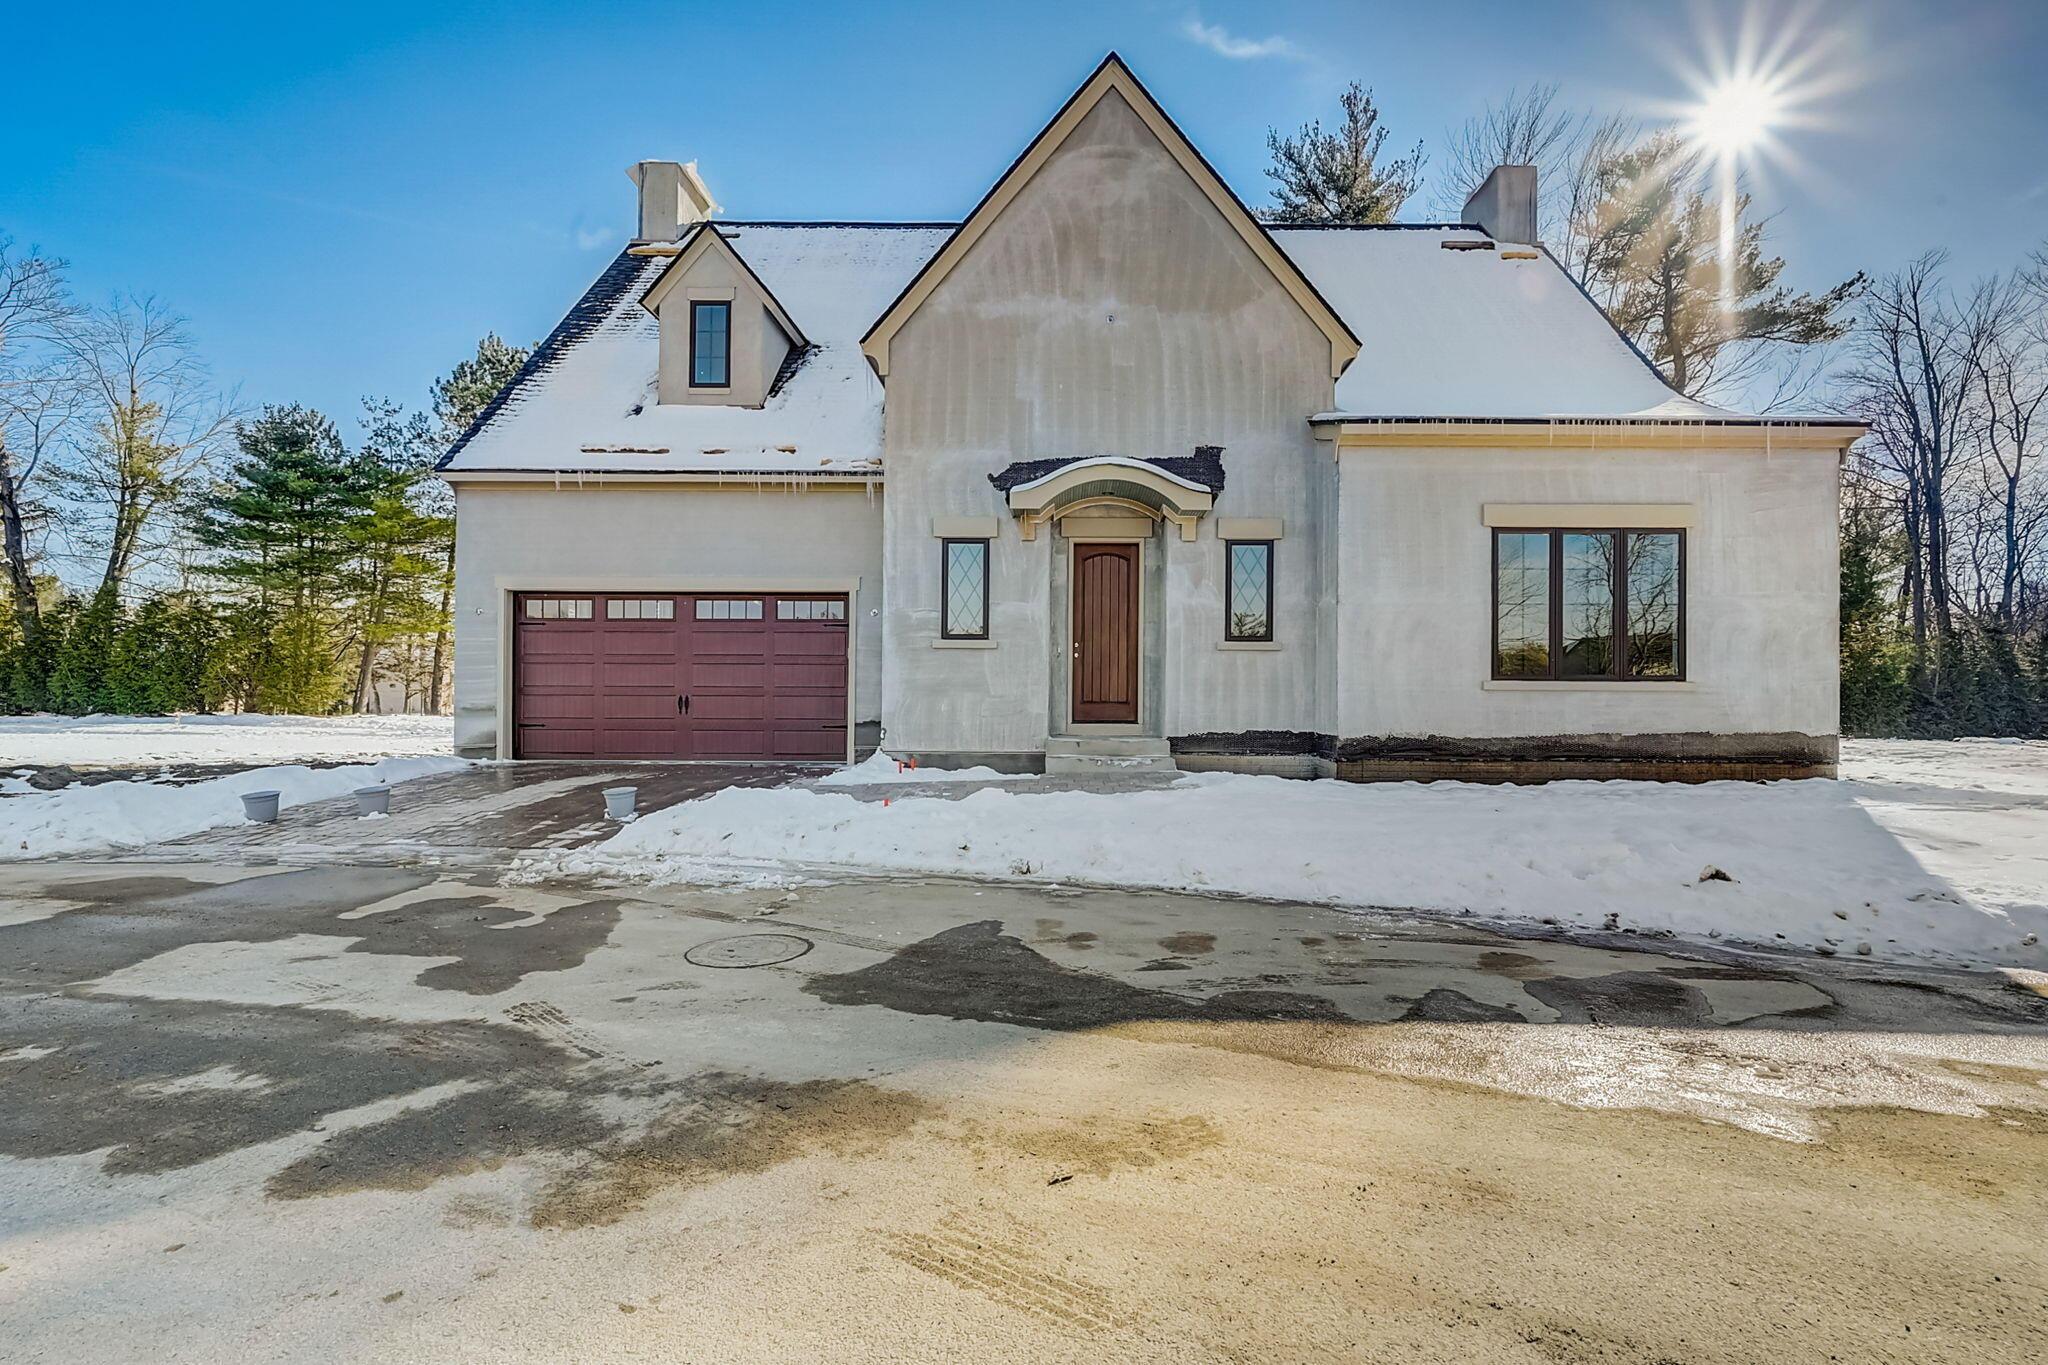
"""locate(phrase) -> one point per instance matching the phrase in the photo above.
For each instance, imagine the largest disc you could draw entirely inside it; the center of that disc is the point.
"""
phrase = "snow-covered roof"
(586, 399)
(1453, 327)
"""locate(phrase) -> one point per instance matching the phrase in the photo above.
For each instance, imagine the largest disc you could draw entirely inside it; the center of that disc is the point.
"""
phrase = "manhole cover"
(748, 950)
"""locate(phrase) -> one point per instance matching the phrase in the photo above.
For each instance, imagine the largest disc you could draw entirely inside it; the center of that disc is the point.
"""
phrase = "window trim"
(946, 631)
(1231, 634)
(1618, 674)
(726, 381)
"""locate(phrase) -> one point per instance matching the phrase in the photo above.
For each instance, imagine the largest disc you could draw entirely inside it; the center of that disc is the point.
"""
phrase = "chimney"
(1506, 204)
(672, 197)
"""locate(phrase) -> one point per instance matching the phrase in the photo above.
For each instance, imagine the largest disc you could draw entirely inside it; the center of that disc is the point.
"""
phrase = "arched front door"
(1105, 646)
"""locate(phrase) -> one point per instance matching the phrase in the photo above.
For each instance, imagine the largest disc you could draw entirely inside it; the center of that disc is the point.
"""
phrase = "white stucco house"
(1110, 471)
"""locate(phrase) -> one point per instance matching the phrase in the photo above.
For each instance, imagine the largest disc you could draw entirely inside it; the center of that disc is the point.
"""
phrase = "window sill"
(943, 643)
(1585, 685)
(1249, 646)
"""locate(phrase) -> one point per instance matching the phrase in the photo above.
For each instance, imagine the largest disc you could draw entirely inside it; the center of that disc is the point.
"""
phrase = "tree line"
(213, 558)
(1944, 516)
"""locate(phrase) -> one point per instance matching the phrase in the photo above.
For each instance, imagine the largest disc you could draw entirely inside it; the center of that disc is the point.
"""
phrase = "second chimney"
(1506, 205)
(672, 197)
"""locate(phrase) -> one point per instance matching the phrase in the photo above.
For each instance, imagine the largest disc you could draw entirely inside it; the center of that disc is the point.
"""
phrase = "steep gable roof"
(703, 239)
(1111, 77)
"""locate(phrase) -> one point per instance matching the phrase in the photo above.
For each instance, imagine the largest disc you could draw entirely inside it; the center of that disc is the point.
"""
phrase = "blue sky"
(343, 198)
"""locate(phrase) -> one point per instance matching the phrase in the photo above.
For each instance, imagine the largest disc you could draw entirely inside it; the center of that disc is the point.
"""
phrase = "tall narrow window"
(1521, 604)
(1589, 604)
(1586, 649)
(710, 345)
(965, 590)
(1653, 570)
(1248, 590)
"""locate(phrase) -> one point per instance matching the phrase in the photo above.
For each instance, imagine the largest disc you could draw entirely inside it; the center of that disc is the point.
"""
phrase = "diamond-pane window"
(966, 590)
(1248, 591)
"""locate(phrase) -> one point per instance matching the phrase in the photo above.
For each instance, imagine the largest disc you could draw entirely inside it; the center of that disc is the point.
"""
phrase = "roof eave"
(1736, 431)
(697, 476)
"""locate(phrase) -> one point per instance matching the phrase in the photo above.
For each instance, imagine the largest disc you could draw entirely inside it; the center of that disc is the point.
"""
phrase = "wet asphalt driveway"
(375, 1109)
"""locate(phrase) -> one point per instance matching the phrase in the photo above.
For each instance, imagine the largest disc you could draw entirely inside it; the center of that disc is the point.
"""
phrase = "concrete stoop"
(1106, 754)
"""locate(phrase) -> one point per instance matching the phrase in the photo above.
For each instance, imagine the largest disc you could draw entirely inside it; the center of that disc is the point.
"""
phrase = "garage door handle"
(683, 705)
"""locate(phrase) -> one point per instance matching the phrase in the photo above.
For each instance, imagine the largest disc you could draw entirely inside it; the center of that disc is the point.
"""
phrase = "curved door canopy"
(1105, 629)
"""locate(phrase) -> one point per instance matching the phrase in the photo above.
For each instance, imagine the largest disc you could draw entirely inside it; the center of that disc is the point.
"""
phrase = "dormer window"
(710, 345)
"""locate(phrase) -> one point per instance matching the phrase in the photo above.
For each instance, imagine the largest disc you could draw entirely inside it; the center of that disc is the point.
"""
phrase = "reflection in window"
(965, 589)
(808, 609)
(1588, 598)
(1653, 605)
(711, 345)
(1589, 604)
(1248, 590)
(1522, 605)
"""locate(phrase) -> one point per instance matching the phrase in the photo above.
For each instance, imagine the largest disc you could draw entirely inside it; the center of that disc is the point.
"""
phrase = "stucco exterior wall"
(1414, 630)
(656, 537)
(1110, 310)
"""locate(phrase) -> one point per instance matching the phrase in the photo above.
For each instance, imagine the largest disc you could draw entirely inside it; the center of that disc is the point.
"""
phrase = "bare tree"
(155, 422)
(2012, 390)
(1919, 361)
(38, 395)
(1567, 147)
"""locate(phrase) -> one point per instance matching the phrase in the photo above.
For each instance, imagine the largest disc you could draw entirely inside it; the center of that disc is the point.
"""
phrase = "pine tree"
(459, 399)
(1657, 261)
(1337, 177)
(468, 388)
(281, 528)
(1875, 695)
(80, 683)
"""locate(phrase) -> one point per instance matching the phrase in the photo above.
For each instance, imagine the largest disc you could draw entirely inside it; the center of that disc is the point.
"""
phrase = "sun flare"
(1737, 115)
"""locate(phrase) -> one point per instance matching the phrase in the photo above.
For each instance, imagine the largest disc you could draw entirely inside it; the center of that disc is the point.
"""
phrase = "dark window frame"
(725, 306)
(1230, 631)
(946, 631)
(1618, 671)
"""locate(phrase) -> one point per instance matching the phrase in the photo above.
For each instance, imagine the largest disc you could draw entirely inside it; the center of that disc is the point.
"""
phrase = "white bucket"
(620, 803)
(373, 800)
(259, 807)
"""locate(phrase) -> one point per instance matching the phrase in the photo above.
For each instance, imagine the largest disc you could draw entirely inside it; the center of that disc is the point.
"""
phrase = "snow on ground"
(878, 768)
(82, 818)
(142, 741)
(1936, 851)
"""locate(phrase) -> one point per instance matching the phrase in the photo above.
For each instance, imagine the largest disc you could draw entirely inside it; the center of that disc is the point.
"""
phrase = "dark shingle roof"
(1204, 467)
(589, 313)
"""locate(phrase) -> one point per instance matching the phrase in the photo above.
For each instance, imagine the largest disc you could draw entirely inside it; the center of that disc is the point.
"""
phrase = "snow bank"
(79, 818)
(878, 768)
(1911, 861)
(139, 741)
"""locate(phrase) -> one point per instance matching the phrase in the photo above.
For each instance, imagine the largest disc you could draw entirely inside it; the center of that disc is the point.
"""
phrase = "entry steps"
(1105, 755)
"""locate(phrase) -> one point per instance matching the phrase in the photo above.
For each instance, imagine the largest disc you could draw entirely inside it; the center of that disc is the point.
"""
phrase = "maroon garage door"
(672, 675)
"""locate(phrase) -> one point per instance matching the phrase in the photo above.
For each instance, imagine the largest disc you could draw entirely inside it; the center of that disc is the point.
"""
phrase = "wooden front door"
(1105, 634)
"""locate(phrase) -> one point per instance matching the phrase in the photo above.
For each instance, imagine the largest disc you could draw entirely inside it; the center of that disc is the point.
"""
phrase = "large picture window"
(964, 570)
(710, 345)
(1589, 604)
(1248, 590)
